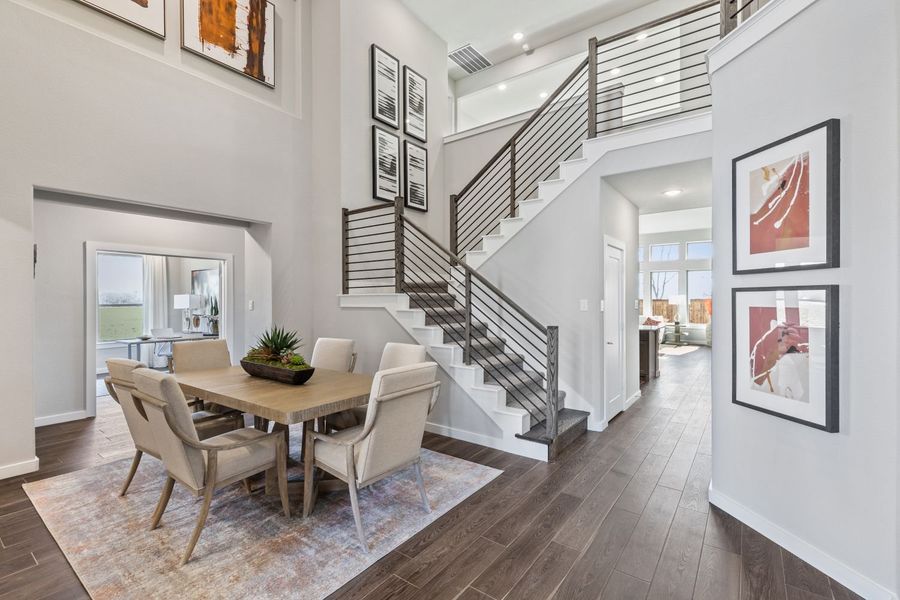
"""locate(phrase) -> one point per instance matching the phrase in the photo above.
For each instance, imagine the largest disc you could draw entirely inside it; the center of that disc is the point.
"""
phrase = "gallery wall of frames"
(786, 217)
(236, 34)
(398, 96)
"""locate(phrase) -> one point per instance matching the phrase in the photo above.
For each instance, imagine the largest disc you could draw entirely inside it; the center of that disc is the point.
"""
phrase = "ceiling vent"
(470, 59)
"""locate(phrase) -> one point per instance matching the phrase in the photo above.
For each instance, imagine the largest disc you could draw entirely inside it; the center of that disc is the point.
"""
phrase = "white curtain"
(156, 304)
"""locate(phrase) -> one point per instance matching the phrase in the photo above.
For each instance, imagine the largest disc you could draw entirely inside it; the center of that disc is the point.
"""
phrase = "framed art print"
(385, 164)
(149, 15)
(786, 203)
(415, 105)
(237, 34)
(785, 352)
(415, 175)
(385, 87)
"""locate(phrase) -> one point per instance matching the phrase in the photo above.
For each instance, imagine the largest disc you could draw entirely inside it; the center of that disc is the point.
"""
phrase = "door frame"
(609, 241)
(91, 248)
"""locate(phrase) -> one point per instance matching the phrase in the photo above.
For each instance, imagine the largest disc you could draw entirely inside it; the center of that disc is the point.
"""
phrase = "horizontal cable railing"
(514, 350)
(367, 249)
(735, 12)
(638, 77)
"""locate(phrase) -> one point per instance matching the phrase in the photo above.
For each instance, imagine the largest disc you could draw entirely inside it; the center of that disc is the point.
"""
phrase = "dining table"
(326, 393)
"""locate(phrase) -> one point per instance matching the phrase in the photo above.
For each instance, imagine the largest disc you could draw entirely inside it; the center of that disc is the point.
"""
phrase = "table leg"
(129, 351)
(309, 468)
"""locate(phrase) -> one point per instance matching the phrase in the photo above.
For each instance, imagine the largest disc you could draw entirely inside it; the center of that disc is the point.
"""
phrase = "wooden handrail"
(655, 22)
(356, 211)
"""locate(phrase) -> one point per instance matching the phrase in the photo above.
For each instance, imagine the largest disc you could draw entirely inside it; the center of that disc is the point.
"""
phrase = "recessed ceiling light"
(518, 36)
(615, 71)
(659, 79)
(672, 193)
(543, 95)
(526, 47)
(641, 36)
(501, 87)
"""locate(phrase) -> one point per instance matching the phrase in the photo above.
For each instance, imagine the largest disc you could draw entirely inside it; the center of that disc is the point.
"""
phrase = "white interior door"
(614, 330)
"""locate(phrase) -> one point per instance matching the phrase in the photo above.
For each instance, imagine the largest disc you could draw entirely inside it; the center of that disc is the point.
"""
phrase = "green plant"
(278, 346)
(213, 306)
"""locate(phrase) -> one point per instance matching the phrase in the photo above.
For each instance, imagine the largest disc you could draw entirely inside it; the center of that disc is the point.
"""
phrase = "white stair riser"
(548, 190)
(572, 169)
(530, 208)
(475, 259)
(510, 227)
(491, 243)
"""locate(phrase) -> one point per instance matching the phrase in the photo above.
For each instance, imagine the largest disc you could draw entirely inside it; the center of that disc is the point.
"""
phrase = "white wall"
(104, 110)
(831, 498)
(465, 154)
(61, 231)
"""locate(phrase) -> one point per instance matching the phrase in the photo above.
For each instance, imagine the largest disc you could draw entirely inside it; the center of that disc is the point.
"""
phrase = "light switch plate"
(251, 305)
(602, 305)
(637, 305)
(583, 305)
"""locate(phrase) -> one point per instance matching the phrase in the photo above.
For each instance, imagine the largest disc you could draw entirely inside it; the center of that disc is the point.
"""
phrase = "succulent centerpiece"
(275, 357)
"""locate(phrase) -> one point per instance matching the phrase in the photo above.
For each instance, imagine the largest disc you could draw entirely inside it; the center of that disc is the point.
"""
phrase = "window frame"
(678, 256)
(687, 246)
(100, 304)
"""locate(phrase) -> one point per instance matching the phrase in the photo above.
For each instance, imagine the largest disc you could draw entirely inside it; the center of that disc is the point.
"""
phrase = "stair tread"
(568, 418)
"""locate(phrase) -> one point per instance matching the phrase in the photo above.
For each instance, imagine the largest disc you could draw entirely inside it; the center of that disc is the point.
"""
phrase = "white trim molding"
(824, 562)
(20, 468)
(767, 19)
(76, 415)
(631, 400)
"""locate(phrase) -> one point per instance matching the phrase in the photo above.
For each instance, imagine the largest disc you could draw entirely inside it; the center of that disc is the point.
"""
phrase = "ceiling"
(489, 24)
(645, 188)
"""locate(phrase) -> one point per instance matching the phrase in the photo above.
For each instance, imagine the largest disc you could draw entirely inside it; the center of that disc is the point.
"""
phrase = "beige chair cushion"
(246, 459)
(121, 375)
(334, 456)
(334, 354)
(401, 355)
(199, 356)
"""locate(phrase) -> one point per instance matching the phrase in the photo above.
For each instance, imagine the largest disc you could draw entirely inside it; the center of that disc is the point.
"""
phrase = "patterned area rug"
(247, 549)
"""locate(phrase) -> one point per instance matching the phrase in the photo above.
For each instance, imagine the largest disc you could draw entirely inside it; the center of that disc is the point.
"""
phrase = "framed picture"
(385, 87)
(149, 15)
(205, 282)
(785, 352)
(415, 175)
(415, 105)
(238, 34)
(385, 164)
(786, 203)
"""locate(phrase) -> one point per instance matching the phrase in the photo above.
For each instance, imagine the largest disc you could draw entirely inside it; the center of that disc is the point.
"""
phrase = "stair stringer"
(592, 150)
(490, 398)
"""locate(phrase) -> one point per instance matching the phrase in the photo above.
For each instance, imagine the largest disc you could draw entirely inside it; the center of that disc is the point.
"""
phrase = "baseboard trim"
(20, 468)
(522, 447)
(832, 567)
(61, 418)
(631, 400)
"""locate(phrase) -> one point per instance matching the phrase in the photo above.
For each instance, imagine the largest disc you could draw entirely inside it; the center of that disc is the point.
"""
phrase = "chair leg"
(134, 465)
(201, 521)
(354, 503)
(309, 470)
(163, 502)
(247, 487)
(421, 483)
(281, 461)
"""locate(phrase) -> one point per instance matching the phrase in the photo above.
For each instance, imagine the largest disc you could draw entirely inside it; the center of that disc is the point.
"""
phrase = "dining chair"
(388, 441)
(334, 354)
(200, 356)
(203, 466)
(120, 384)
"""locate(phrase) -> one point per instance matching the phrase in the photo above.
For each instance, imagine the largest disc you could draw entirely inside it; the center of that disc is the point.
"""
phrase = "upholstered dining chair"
(388, 441)
(120, 385)
(203, 466)
(334, 354)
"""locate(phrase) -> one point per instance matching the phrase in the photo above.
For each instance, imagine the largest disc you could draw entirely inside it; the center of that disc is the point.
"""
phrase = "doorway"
(614, 327)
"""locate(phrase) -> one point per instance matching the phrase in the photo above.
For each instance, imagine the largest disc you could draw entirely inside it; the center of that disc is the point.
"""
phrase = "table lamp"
(186, 303)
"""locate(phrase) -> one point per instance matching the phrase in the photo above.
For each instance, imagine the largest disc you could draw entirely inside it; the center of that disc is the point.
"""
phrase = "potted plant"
(274, 357)
(213, 317)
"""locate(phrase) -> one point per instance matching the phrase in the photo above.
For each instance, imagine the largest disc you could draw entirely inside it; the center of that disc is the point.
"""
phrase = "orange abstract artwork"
(218, 23)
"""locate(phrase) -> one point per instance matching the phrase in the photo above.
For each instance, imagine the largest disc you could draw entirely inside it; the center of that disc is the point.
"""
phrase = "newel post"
(345, 260)
(552, 425)
(454, 224)
(399, 270)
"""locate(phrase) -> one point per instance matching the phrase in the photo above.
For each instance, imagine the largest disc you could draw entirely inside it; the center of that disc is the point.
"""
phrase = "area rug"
(248, 549)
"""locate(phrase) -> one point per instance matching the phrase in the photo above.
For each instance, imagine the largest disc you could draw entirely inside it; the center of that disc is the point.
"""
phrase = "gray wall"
(831, 496)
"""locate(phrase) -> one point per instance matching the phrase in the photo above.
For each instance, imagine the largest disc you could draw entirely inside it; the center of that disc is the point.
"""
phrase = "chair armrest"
(329, 439)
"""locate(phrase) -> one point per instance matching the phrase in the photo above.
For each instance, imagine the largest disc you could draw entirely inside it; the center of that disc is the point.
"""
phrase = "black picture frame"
(377, 164)
(375, 91)
(832, 200)
(158, 34)
(409, 195)
(832, 361)
(410, 114)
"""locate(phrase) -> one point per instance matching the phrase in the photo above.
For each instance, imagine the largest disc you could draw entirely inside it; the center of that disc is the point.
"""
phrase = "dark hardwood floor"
(621, 514)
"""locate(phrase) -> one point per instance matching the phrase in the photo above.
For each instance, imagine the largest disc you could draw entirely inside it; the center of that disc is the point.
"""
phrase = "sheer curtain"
(156, 302)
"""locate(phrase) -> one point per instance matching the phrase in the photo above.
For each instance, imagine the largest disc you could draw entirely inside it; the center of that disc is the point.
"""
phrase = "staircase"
(501, 357)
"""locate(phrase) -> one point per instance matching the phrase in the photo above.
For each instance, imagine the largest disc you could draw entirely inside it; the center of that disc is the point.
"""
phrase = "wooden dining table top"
(326, 392)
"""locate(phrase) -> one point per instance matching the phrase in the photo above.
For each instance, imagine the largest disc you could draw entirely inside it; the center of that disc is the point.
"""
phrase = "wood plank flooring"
(621, 514)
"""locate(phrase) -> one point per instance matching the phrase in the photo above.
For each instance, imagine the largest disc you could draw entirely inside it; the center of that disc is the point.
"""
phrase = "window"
(663, 294)
(120, 295)
(640, 254)
(699, 250)
(699, 289)
(664, 252)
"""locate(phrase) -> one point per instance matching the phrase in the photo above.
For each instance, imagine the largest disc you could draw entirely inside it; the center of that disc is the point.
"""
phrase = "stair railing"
(384, 251)
(646, 74)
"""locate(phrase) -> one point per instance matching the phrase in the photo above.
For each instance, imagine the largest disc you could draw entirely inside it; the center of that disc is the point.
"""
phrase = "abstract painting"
(149, 15)
(415, 105)
(239, 34)
(786, 203)
(205, 283)
(415, 174)
(385, 164)
(385, 87)
(785, 352)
